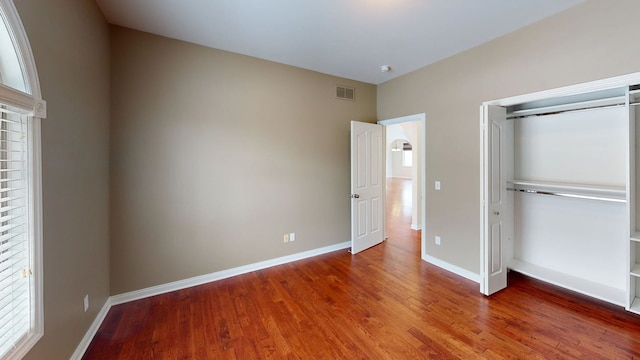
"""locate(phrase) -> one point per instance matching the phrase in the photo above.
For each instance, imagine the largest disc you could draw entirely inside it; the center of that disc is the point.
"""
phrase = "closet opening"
(558, 189)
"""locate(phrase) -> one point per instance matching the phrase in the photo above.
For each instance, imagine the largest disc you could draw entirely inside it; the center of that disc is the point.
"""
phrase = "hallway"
(398, 216)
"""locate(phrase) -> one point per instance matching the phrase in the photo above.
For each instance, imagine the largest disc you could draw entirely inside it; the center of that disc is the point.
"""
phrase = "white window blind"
(16, 318)
(21, 298)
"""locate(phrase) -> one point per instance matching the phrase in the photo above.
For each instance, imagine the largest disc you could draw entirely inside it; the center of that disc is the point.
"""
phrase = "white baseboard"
(416, 227)
(219, 275)
(186, 283)
(453, 268)
(93, 329)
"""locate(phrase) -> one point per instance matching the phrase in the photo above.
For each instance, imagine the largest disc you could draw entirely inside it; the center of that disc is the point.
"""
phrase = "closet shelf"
(635, 270)
(635, 306)
(580, 285)
(572, 106)
(593, 192)
(635, 236)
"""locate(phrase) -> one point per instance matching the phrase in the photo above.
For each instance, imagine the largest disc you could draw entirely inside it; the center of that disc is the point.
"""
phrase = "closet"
(559, 192)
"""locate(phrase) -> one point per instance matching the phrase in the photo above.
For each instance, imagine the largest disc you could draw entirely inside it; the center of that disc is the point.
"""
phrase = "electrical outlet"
(437, 240)
(86, 303)
(286, 238)
(292, 237)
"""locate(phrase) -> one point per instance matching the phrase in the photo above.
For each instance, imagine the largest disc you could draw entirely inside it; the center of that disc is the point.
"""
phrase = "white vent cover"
(346, 93)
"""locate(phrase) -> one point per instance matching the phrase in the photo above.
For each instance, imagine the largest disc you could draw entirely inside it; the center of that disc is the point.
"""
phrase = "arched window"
(21, 108)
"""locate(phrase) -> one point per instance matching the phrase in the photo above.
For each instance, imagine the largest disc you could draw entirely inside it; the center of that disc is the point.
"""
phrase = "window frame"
(29, 103)
(407, 158)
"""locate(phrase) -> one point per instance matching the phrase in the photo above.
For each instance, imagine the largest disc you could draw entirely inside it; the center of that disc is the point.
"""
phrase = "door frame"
(422, 171)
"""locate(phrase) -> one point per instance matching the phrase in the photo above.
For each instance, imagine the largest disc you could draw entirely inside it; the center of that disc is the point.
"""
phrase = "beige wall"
(214, 156)
(594, 40)
(69, 39)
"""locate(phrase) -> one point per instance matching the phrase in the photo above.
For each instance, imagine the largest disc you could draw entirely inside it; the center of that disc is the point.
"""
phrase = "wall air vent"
(345, 93)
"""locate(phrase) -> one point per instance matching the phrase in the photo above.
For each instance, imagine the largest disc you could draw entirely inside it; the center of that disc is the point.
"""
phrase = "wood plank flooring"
(384, 303)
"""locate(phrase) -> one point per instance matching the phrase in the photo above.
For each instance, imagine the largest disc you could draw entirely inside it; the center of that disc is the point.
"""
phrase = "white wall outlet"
(437, 240)
(292, 237)
(286, 238)
(437, 185)
(86, 303)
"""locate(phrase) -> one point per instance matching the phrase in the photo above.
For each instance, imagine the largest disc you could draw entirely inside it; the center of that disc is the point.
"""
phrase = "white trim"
(32, 99)
(415, 227)
(16, 98)
(93, 330)
(25, 55)
(219, 275)
(604, 84)
(483, 128)
(25, 103)
(402, 119)
(38, 248)
(452, 268)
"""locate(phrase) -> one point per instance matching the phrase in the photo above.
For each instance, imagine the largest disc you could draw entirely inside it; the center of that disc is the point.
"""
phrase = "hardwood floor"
(384, 303)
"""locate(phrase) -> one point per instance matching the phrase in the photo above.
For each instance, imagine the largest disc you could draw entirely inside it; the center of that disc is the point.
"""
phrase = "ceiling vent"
(345, 93)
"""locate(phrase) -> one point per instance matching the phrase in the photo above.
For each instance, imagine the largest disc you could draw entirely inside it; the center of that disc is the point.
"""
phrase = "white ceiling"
(346, 38)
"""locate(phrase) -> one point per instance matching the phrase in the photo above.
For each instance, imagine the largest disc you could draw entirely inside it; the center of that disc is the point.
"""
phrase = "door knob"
(496, 213)
(355, 196)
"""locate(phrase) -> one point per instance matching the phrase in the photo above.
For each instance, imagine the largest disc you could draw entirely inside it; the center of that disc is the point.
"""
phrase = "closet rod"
(575, 196)
(516, 116)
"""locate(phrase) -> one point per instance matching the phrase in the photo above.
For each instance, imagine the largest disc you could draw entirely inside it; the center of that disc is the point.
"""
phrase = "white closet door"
(497, 205)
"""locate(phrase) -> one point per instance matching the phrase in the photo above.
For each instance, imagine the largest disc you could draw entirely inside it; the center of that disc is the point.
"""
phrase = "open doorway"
(404, 170)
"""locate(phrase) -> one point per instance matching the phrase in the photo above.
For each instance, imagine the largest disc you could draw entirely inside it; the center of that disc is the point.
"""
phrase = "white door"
(367, 205)
(496, 203)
